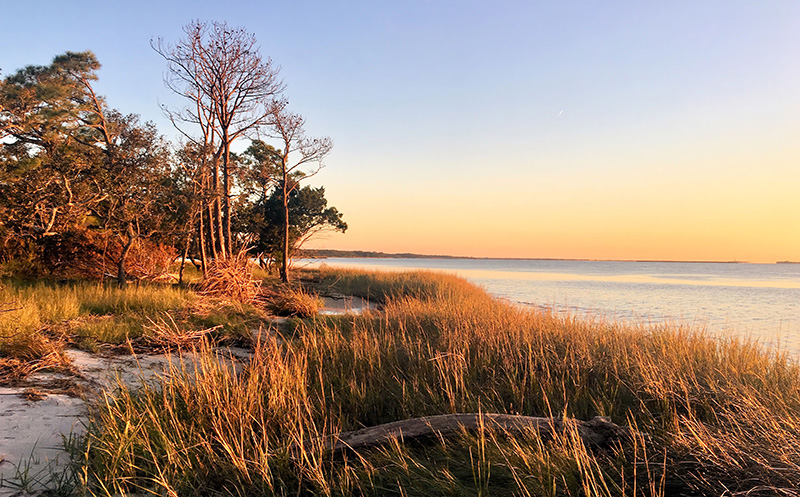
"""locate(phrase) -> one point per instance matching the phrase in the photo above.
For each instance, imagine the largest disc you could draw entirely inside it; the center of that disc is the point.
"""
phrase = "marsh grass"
(295, 302)
(711, 417)
(42, 317)
(379, 287)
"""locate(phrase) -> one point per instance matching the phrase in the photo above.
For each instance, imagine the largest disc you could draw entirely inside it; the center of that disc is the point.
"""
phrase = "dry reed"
(295, 302)
(714, 417)
(163, 333)
(231, 278)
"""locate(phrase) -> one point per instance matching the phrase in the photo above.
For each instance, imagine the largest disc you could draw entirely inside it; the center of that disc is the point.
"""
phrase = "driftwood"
(598, 432)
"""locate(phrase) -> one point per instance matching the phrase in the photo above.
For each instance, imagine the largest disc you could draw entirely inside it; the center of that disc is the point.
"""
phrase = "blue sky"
(562, 129)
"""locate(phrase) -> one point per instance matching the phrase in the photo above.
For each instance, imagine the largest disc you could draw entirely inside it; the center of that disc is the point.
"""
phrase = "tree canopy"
(85, 189)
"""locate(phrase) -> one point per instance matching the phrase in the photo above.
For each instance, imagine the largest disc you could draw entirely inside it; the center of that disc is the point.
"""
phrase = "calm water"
(755, 300)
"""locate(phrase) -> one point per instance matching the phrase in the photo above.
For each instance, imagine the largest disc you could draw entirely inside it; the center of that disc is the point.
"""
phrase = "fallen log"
(598, 432)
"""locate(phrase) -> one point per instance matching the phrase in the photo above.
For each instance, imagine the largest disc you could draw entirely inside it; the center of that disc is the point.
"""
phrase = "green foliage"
(47, 158)
(83, 187)
(68, 163)
(309, 215)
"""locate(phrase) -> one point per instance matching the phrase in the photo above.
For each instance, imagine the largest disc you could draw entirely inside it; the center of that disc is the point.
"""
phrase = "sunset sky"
(601, 130)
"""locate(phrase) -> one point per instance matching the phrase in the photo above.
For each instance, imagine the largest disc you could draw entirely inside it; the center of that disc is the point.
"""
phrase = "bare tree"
(232, 90)
(297, 153)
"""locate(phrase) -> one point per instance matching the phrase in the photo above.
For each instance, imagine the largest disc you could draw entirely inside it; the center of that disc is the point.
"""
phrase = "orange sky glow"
(590, 130)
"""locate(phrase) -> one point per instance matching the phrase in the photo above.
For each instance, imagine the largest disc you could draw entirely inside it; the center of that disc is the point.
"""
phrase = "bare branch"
(232, 89)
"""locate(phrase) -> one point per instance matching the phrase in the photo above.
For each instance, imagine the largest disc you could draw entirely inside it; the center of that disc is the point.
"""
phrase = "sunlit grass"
(40, 318)
(710, 417)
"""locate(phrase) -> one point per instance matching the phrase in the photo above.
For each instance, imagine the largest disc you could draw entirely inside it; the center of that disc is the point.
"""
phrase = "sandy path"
(32, 432)
(31, 436)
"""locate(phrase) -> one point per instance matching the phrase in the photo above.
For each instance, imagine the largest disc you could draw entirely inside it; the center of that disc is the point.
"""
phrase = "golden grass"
(231, 278)
(165, 334)
(39, 319)
(714, 417)
(295, 302)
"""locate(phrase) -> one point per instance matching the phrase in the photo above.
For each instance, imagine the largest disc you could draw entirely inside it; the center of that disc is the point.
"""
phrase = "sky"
(576, 129)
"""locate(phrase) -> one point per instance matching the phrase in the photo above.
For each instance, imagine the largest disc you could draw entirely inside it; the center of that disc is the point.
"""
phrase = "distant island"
(366, 254)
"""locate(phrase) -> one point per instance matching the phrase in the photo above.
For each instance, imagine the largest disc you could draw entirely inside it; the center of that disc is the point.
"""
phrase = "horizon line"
(402, 255)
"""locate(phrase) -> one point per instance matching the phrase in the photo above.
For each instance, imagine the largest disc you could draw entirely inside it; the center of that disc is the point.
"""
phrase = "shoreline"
(436, 345)
(358, 254)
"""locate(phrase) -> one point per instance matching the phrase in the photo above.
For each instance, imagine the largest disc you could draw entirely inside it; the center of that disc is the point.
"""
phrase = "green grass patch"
(144, 299)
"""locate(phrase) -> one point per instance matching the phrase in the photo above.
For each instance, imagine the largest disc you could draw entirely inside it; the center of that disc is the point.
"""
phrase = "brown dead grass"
(166, 334)
(295, 302)
(33, 354)
(231, 278)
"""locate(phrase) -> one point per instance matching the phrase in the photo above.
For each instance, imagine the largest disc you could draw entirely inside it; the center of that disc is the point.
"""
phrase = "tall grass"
(30, 309)
(45, 302)
(710, 417)
(379, 287)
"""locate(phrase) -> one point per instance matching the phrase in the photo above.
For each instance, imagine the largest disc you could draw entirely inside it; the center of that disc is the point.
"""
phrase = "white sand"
(32, 432)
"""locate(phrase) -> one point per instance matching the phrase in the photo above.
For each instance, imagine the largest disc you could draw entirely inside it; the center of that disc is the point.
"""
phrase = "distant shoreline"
(365, 254)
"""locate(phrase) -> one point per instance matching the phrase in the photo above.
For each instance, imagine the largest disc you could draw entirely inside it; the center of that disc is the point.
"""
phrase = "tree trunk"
(186, 246)
(122, 278)
(285, 249)
(220, 228)
(226, 184)
(201, 242)
(215, 221)
(598, 432)
(212, 241)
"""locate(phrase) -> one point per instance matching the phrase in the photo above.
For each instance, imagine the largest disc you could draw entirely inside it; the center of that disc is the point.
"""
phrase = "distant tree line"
(87, 190)
(365, 254)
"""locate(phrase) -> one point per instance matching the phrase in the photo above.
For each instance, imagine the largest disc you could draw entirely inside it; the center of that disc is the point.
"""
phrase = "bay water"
(757, 301)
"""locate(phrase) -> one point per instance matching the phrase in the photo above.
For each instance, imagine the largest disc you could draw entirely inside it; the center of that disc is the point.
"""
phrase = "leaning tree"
(48, 130)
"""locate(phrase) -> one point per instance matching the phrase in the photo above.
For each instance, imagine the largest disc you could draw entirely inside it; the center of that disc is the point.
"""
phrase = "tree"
(232, 89)
(297, 152)
(259, 171)
(49, 129)
(137, 184)
(74, 173)
(309, 215)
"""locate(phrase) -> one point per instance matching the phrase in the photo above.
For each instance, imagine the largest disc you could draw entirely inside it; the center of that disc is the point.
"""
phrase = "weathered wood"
(597, 432)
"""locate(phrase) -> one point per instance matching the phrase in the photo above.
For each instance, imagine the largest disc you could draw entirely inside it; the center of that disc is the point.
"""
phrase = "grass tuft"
(231, 278)
(295, 302)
